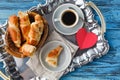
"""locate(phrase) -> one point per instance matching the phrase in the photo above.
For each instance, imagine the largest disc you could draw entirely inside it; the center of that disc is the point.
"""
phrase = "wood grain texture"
(104, 68)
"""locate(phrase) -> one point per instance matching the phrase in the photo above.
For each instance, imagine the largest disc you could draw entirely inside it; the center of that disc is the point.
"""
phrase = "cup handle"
(103, 23)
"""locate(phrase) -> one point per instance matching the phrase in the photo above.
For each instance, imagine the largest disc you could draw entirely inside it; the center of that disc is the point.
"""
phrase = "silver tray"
(82, 57)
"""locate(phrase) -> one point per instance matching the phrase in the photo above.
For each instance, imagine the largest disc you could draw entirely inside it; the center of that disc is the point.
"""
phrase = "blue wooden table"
(105, 68)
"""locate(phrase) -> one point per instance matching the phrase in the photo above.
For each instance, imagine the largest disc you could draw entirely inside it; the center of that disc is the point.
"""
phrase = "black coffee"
(68, 18)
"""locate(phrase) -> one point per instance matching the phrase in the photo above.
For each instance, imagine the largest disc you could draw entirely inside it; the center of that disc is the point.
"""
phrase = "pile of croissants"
(24, 34)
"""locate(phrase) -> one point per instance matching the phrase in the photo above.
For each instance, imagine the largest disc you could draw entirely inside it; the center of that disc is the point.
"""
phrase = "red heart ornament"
(86, 39)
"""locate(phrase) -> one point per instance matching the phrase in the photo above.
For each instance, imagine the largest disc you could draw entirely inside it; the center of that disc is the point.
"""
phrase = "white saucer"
(63, 60)
(59, 27)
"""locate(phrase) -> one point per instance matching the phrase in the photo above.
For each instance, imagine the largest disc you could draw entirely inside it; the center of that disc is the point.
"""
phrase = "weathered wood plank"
(107, 10)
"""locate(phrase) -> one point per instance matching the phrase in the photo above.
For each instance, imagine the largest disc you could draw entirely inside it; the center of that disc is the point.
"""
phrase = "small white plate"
(63, 60)
(57, 24)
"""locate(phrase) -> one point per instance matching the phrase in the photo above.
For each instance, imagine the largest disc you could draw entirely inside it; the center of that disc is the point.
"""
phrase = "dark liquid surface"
(68, 18)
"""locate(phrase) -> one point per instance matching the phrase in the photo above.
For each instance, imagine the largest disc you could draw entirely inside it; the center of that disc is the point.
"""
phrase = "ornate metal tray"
(81, 57)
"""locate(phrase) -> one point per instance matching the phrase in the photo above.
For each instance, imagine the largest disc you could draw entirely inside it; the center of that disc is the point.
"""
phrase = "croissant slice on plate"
(14, 31)
(52, 57)
(24, 24)
(36, 30)
(27, 50)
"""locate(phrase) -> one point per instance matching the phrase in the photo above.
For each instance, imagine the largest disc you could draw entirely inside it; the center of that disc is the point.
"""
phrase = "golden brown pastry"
(27, 50)
(39, 20)
(52, 57)
(13, 28)
(36, 30)
(24, 24)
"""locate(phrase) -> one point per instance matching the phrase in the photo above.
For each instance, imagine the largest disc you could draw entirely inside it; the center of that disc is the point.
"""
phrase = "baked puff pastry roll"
(24, 24)
(36, 31)
(27, 49)
(52, 57)
(40, 22)
(13, 28)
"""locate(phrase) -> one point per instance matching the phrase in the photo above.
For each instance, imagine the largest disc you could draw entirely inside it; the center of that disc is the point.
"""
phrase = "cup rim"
(76, 21)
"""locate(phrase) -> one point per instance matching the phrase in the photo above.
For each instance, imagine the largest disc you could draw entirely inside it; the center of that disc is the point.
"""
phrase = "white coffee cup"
(68, 18)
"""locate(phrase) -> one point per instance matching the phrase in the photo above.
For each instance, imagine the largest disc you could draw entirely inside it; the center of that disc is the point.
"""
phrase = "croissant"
(24, 24)
(27, 50)
(52, 57)
(36, 31)
(39, 20)
(14, 31)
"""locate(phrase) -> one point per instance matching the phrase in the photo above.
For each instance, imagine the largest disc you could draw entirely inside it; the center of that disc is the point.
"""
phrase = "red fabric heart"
(85, 39)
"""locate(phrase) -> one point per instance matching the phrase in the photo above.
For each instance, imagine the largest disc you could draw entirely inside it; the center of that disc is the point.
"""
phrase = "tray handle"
(103, 23)
(3, 76)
